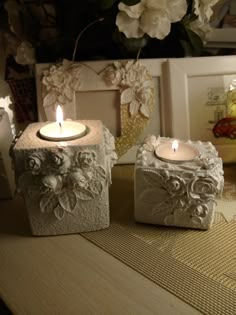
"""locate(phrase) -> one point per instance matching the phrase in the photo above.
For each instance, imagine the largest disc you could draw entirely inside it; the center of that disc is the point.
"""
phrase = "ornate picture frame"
(196, 101)
(126, 95)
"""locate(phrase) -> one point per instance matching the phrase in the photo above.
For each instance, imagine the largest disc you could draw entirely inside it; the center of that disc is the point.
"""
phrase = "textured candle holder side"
(65, 184)
(172, 194)
(7, 180)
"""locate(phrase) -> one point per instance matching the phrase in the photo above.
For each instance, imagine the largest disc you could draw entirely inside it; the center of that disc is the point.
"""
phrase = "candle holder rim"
(192, 146)
(53, 139)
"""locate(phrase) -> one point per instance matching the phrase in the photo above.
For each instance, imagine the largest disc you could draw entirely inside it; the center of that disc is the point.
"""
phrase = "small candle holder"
(65, 183)
(177, 192)
(7, 181)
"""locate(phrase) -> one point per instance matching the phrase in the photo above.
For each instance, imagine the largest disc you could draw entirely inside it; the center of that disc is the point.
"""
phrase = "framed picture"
(223, 22)
(201, 101)
(125, 95)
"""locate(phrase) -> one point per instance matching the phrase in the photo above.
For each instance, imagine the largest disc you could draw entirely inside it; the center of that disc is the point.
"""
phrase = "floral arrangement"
(47, 30)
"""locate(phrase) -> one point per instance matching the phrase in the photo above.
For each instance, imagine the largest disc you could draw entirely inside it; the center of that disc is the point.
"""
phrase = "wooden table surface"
(70, 275)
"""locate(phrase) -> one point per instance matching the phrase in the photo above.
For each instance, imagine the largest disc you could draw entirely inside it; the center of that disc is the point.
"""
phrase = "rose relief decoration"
(180, 192)
(61, 82)
(131, 78)
(135, 85)
(63, 178)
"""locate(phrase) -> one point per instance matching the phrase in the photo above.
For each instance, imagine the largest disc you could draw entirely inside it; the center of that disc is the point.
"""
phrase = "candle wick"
(60, 125)
(174, 150)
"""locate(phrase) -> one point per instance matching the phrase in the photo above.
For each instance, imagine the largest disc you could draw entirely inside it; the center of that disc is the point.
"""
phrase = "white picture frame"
(223, 32)
(90, 85)
(221, 38)
(189, 93)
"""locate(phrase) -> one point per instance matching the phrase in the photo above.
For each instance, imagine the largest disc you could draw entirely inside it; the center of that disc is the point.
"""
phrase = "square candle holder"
(7, 180)
(177, 188)
(65, 183)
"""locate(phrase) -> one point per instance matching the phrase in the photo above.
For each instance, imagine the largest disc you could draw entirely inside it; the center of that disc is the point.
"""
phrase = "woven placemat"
(197, 266)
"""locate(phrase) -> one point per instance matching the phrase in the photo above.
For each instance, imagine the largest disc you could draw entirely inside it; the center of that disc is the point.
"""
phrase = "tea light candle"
(176, 152)
(62, 130)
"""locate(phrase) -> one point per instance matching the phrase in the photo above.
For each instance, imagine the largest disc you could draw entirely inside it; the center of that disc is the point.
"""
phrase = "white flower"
(203, 9)
(25, 54)
(151, 17)
(133, 11)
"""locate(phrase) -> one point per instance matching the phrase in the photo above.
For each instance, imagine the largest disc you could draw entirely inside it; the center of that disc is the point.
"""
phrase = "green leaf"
(195, 42)
(106, 4)
(130, 2)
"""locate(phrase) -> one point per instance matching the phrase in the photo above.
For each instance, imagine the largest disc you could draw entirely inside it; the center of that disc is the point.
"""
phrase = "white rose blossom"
(151, 17)
(203, 9)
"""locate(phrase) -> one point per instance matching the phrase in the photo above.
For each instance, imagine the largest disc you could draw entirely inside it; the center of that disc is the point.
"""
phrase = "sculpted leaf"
(75, 84)
(134, 107)
(50, 99)
(100, 173)
(59, 212)
(145, 110)
(84, 194)
(153, 179)
(48, 203)
(127, 96)
(67, 200)
(96, 187)
(162, 206)
(68, 92)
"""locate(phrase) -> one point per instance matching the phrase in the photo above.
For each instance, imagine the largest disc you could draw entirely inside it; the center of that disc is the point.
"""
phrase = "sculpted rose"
(202, 188)
(60, 162)
(34, 163)
(86, 159)
(112, 76)
(52, 182)
(78, 180)
(175, 185)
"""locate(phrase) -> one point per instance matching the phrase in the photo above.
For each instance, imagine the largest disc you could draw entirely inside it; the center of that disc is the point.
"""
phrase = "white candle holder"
(177, 193)
(65, 184)
(7, 180)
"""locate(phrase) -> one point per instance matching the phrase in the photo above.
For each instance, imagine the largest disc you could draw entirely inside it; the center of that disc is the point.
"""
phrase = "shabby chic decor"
(65, 184)
(62, 81)
(177, 192)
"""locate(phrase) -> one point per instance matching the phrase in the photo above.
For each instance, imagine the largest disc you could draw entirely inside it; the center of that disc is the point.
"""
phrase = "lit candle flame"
(59, 116)
(175, 145)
